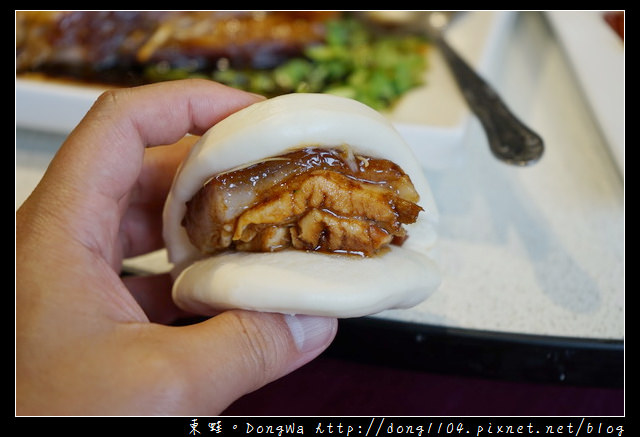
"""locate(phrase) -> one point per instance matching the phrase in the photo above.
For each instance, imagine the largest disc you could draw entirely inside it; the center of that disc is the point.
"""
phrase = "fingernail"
(311, 332)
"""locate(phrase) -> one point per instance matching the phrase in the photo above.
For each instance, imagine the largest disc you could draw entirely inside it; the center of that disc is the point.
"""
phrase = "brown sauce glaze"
(313, 199)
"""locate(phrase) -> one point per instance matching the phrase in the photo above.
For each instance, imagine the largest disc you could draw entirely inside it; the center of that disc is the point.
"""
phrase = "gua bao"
(301, 204)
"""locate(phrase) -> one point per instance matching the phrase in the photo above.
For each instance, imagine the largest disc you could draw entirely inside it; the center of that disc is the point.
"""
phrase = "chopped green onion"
(352, 62)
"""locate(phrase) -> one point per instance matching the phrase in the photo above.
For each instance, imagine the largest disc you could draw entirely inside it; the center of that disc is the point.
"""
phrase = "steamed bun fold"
(299, 281)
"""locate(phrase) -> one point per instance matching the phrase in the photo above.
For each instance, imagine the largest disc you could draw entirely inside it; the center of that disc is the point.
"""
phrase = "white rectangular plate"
(433, 118)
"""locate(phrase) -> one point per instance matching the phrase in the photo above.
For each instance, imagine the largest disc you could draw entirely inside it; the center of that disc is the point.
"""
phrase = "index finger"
(123, 122)
(95, 169)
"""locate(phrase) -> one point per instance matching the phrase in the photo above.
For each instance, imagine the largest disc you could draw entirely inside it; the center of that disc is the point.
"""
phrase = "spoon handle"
(509, 139)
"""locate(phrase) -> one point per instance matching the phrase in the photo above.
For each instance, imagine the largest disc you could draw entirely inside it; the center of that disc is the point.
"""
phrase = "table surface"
(525, 251)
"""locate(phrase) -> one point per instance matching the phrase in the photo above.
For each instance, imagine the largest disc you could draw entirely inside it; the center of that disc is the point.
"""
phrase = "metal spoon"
(510, 140)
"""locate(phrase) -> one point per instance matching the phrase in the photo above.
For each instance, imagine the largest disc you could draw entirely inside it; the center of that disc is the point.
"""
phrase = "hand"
(89, 342)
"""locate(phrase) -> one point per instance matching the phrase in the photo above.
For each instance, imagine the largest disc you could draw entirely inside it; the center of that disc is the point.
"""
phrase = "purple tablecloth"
(334, 387)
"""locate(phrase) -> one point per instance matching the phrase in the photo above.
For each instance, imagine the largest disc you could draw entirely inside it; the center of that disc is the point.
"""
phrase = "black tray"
(486, 354)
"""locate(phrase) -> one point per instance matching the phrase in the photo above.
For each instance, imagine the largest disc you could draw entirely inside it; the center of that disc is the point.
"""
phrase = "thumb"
(237, 352)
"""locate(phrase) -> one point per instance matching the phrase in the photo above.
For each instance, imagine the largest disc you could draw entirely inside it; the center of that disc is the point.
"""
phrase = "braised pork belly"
(312, 199)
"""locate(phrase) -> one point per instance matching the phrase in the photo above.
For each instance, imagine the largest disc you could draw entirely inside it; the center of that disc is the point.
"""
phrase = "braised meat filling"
(117, 46)
(312, 199)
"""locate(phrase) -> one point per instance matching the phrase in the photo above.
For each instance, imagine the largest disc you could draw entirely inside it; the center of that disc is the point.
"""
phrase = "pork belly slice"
(313, 199)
